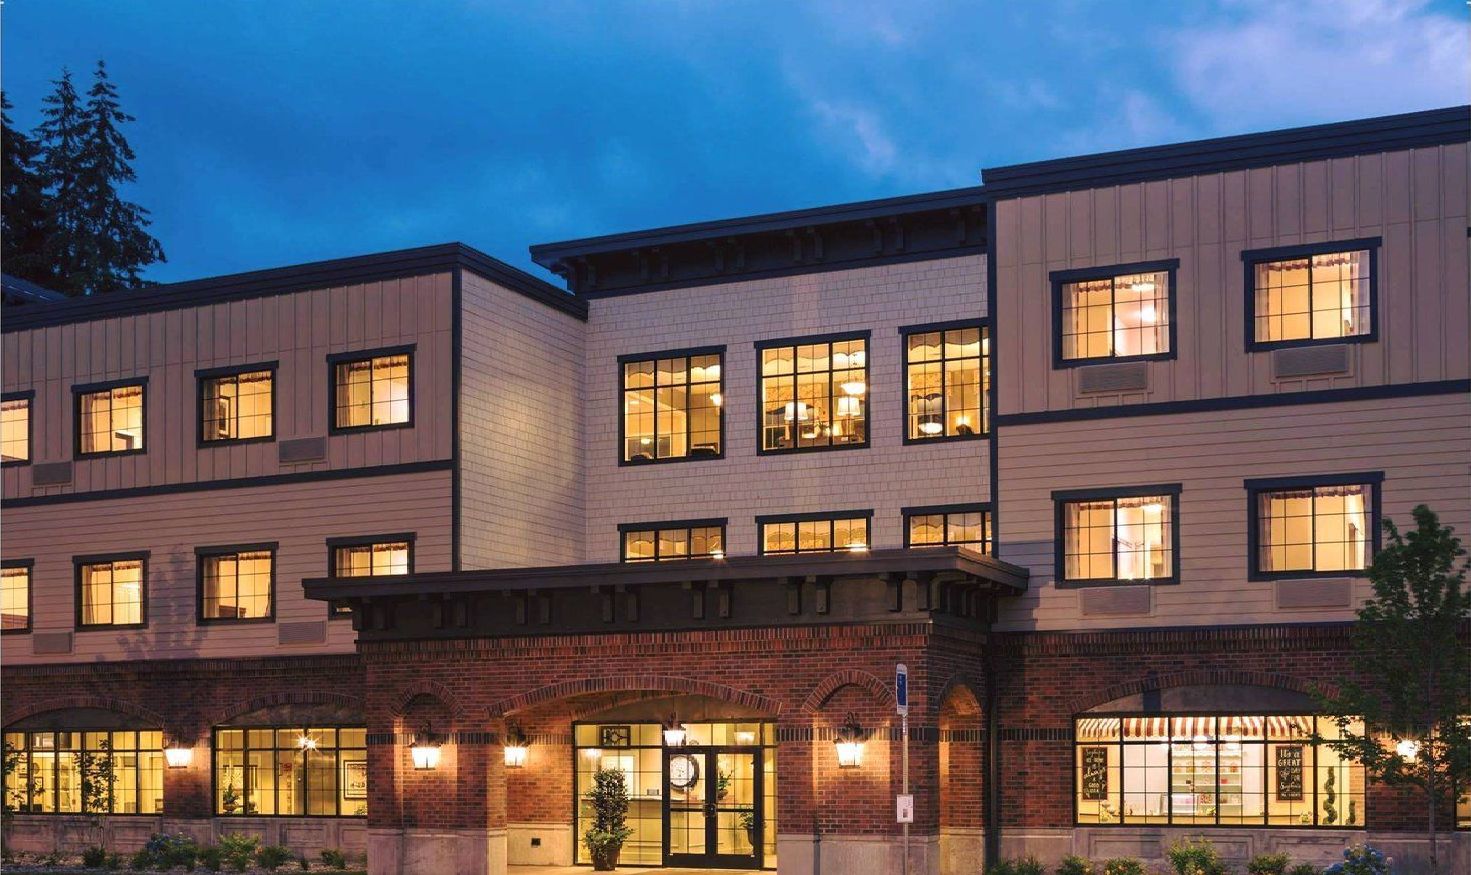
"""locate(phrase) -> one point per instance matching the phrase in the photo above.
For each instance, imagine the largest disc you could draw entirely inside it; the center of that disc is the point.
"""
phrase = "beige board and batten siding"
(298, 330)
(1423, 446)
(1415, 200)
(521, 436)
(298, 517)
(886, 476)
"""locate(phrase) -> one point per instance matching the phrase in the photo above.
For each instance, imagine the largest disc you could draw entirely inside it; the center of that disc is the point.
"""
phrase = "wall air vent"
(51, 474)
(1121, 377)
(1305, 361)
(301, 450)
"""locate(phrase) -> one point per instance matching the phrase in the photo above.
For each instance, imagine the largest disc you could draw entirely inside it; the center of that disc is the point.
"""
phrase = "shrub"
(1072, 864)
(113, 861)
(1123, 866)
(273, 857)
(1195, 857)
(1268, 864)
(168, 851)
(236, 850)
(141, 860)
(302, 862)
(94, 857)
(1019, 866)
(211, 858)
(1360, 860)
(334, 859)
(1304, 869)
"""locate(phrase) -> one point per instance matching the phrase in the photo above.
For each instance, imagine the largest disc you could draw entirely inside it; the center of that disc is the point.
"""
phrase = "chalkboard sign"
(1095, 773)
(1289, 773)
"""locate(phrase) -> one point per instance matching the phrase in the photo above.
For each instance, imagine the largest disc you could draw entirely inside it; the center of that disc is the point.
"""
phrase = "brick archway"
(433, 690)
(846, 678)
(290, 697)
(1198, 678)
(637, 683)
(102, 703)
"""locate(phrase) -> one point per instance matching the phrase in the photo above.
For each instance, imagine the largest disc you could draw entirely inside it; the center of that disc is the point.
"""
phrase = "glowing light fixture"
(675, 733)
(855, 387)
(306, 742)
(425, 750)
(745, 736)
(717, 399)
(1149, 314)
(516, 745)
(593, 753)
(849, 741)
(178, 756)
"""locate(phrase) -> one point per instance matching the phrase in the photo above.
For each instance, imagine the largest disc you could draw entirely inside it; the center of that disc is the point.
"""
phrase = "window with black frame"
(1109, 536)
(237, 406)
(368, 556)
(97, 771)
(950, 525)
(948, 377)
(237, 583)
(814, 394)
(1321, 292)
(291, 770)
(15, 430)
(15, 595)
(665, 542)
(1304, 528)
(1114, 313)
(110, 419)
(372, 390)
(672, 407)
(814, 533)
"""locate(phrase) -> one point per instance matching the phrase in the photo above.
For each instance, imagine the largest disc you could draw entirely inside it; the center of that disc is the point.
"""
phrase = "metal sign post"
(901, 699)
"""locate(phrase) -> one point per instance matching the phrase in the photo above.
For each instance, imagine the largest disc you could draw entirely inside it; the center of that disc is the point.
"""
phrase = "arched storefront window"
(83, 761)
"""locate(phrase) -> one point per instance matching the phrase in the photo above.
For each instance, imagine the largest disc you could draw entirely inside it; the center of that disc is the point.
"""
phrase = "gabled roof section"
(911, 227)
(1390, 133)
(18, 292)
(297, 278)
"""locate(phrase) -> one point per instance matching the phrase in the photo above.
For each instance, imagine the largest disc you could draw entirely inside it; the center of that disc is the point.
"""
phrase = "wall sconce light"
(849, 740)
(516, 744)
(306, 742)
(1408, 749)
(425, 750)
(745, 736)
(177, 755)
(674, 732)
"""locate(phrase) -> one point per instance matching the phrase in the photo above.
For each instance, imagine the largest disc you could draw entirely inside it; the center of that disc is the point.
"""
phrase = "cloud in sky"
(273, 131)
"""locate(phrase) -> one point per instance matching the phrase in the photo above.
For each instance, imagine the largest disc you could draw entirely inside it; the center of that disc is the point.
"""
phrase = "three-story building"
(394, 553)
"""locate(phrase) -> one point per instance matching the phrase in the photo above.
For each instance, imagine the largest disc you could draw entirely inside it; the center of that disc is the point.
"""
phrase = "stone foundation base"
(449, 851)
(858, 855)
(539, 844)
(305, 836)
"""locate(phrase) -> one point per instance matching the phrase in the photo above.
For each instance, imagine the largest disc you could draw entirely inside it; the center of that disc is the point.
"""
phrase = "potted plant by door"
(610, 829)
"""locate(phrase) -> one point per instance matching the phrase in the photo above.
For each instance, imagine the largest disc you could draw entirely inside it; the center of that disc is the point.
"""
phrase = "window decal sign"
(1095, 773)
(1289, 773)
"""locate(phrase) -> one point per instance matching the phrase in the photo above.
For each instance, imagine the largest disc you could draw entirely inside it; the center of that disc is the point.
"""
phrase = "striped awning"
(1195, 727)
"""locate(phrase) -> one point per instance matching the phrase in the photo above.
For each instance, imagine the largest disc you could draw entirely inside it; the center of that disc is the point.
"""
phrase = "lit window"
(15, 430)
(110, 420)
(1109, 536)
(55, 772)
(663, 542)
(372, 556)
(1250, 770)
(814, 533)
(236, 406)
(291, 770)
(964, 525)
(236, 583)
(948, 374)
(111, 592)
(15, 597)
(1114, 313)
(372, 391)
(1321, 292)
(672, 407)
(814, 395)
(1310, 528)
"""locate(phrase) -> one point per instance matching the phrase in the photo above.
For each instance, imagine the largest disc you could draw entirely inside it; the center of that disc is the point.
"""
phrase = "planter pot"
(606, 859)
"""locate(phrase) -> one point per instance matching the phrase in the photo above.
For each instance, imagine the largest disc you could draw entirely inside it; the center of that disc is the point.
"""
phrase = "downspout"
(992, 822)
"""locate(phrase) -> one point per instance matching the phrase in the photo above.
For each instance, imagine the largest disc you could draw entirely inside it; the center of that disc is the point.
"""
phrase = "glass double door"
(712, 807)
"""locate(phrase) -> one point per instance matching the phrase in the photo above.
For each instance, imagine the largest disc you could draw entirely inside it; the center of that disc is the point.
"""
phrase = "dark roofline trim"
(397, 264)
(1413, 130)
(548, 254)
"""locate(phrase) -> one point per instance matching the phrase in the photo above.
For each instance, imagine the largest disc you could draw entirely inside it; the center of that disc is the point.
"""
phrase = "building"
(1097, 450)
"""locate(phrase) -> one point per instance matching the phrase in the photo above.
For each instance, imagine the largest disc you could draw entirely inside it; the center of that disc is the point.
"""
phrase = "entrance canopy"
(944, 584)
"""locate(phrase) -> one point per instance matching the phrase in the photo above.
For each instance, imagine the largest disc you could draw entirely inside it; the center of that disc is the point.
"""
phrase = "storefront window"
(47, 772)
(1214, 770)
(281, 770)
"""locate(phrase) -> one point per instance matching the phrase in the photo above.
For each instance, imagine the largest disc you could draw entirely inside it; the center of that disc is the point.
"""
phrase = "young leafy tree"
(24, 216)
(118, 244)
(59, 137)
(1413, 669)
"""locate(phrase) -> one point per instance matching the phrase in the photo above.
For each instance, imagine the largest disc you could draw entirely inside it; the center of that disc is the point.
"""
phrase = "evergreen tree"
(118, 243)
(60, 139)
(23, 214)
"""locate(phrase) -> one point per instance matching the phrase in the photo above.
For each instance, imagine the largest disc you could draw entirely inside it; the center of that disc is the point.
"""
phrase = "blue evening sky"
(272, 132)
